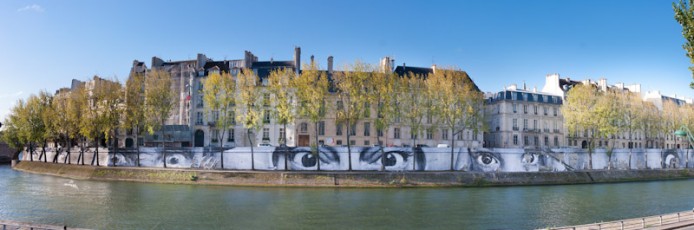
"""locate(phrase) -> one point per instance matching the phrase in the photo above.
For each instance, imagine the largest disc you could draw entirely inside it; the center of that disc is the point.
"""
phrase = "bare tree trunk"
(43, 152)
(349, 149)
(317, 153)
(252, 154)
(137, 145)
(221, 150)
(452, 147)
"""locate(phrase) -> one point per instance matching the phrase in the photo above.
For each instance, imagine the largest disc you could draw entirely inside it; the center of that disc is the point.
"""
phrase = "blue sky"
(45, 44)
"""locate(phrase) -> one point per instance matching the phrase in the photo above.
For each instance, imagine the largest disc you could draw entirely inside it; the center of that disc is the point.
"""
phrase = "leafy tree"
(352, 93)
(250, 101)
(284, 109)
(579, 113)
(219, 93)
(159, 101)
(36, 120)
(411, 98)
(455, 102)
(311, 90)
(608, 116)
(14, 133)
(684, 14)
(80, 116)
(60, 122)
(385, 85)
(134, 111)
(633, 115)
(110, 97)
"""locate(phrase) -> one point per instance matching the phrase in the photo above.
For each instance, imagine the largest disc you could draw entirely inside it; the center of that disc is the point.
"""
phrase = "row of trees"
(92, 111)
(96, 110)
(618, 114)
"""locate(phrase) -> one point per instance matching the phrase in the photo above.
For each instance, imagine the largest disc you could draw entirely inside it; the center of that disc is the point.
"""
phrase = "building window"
(545, 110)
(338, 142)
(396, 133)
(525, 109)
(413, 134)
(554, 110)
(535, 108)
(303, 127)
(321, 128)
(430, 134)
(515, 124)
(367, 129)
(536, 141)
(352, 142)
(340, 106)
(556, 141)
(215, 135)
(266, 117)
(515, 139)
(367, 109)
(230, 137)
(367, 143)
(200, 105)
(514, 108)
(534, 124)
(353, 130)
(266, 134)
(338, 130)
(198, 119)
(459, 136)
(428, 117)
(282, 135)
(546, 141)
(379, 132)
(232, 116)
(444, 134)
(215, 117)
(525, 124)
(266, 99)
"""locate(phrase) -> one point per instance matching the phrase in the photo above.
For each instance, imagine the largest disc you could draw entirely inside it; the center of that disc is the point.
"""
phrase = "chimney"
(602, 83)
(433, 68)
(297, 59)
(386, 64)
(330, 64)
(312, 62)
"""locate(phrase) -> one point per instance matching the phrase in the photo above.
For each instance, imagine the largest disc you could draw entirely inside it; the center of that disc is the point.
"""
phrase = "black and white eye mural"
(486, 161)
(393, 159)
(671, 159)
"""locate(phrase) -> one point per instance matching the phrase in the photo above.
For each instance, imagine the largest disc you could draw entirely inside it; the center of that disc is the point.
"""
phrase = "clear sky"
(44, 44)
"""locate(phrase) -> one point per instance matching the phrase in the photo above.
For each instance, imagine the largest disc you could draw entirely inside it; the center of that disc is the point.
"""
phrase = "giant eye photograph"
(360, 114)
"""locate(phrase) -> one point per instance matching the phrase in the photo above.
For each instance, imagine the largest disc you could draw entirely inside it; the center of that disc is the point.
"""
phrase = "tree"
(684, 14)
(411, 97)
(633, 115)
(384, 84)
(608, 114)
(284, 109)
(14, 133)
(60, 122)
(352, 93)
(110, 97)
(159, 101)
(579, 113)
(311, 90)
(35, 119)
(79, 115)
(250, 111)
(219, 93)
(455, 102)
(134, 111)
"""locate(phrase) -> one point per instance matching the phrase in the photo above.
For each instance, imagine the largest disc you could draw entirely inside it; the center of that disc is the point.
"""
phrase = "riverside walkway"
(678, 220)
(14, 225)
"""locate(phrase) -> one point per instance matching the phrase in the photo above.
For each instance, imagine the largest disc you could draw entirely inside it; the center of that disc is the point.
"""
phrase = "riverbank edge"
(347, 179)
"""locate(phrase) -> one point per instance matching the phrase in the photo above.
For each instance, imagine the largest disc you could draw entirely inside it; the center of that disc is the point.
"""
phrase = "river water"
(124, 205)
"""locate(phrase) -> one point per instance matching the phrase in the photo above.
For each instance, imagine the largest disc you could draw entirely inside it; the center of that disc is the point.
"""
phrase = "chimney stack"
(433, 68)
(297, 59)
(330, 64)
(312, 62)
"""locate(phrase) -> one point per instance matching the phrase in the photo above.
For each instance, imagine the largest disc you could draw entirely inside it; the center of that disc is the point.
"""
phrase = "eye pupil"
(390, 160)
(173, 161)
(486, 159)
(308, 160)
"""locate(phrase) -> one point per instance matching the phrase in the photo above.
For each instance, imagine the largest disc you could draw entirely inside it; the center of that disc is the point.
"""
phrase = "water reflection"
(120, 205)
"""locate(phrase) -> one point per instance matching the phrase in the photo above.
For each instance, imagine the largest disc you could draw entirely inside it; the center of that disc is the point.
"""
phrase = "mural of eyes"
(671, 160)
(486, 161)
(529, 158)
(177, 159)
(370, 159)
(303, 159)
(120, 160)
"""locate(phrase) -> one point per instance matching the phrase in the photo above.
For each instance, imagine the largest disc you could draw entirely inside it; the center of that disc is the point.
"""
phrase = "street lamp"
(683, 131)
